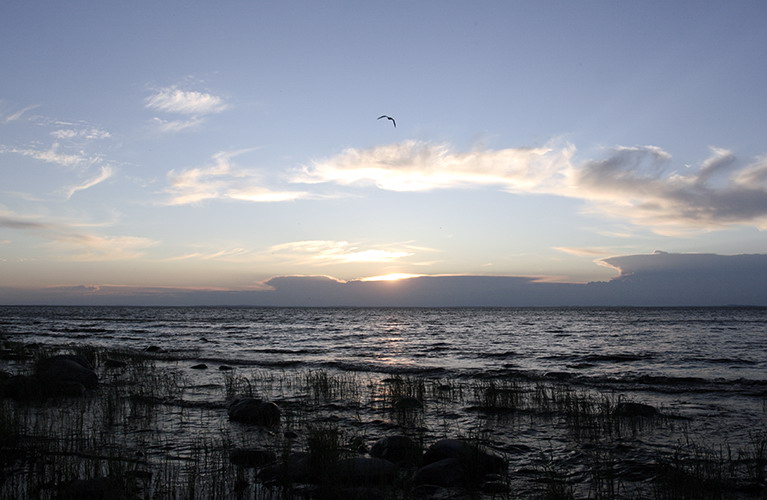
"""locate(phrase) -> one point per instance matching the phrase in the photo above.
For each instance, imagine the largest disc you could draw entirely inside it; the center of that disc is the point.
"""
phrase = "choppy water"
(708, 366)
(664, 347)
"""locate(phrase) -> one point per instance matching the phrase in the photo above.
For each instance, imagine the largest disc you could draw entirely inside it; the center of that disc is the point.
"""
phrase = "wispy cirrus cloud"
(192, 105)
(105, 173)
(222, 179)
(7, 115)
(54, 155)
(87, 133)
(186, 102)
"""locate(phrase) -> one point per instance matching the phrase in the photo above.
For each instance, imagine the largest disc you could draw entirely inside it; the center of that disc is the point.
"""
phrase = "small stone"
(627, 409)
(201, 366)
(254, 411)
(408, 403)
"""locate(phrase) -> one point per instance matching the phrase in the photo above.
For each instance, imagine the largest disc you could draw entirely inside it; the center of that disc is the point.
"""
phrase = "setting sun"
(391, 277)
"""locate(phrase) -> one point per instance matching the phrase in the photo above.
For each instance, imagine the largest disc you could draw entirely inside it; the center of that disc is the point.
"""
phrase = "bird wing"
(382, 116)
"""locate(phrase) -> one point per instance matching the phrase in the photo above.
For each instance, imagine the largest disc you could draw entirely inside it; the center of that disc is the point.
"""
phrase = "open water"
(690, 348)
(710, 361)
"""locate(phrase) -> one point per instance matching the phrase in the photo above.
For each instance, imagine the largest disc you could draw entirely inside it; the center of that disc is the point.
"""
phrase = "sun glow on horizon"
(391, 277)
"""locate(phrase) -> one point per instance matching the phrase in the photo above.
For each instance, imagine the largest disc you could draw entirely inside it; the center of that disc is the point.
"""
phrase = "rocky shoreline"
(80, 422)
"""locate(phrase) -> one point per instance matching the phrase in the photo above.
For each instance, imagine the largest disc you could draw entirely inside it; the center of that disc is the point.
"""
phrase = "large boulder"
(254, 411)
(296, 468)
(397, 449)
(361, 471)
(446, 472)
(475, 462)
(67, 368)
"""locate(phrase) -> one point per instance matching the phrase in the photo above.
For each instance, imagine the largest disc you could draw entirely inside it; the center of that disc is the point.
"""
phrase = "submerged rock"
(201, 366)
(397, 449)
(254, 411)
(627, 409)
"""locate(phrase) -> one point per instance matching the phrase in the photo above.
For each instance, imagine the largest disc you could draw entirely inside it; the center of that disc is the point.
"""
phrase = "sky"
(189, 152)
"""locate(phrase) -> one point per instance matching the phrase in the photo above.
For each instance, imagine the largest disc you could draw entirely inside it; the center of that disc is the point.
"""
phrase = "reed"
(141, 428)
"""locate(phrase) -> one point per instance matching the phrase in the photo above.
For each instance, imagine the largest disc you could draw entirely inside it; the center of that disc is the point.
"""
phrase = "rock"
(296, 469)
(23, 388)
(634, 410)
(360, 493)
(114, 363)
(67, 368)
(361, 471)
(397, 449)
(446, 472)
(408, 403)
(99, 488)
(155, 349)
(225, 368)
(66, 389)
(254, 411)
(495, 488)
(252, 457)
(201, 366)
(475, 462)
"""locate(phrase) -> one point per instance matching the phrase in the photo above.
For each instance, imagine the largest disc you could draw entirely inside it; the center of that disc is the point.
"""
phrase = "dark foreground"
(79, 422)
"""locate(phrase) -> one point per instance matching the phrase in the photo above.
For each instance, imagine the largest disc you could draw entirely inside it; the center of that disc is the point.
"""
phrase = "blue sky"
(164, 146)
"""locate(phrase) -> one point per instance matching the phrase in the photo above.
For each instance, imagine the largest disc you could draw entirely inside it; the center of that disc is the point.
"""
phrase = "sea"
(683, 348)
(706, 368)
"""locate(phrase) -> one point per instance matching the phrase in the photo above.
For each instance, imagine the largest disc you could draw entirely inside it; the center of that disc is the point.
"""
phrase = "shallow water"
(706, 368)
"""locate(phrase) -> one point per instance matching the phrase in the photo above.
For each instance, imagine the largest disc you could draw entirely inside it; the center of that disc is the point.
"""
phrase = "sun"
(391, 277)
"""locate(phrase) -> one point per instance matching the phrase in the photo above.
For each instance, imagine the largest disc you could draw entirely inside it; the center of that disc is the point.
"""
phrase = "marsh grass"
(138, 427)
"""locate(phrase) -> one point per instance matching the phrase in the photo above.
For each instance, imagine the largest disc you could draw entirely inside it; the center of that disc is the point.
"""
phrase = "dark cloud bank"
(659, 279)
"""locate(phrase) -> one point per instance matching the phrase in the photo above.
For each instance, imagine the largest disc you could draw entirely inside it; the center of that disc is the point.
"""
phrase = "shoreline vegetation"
(83, 422)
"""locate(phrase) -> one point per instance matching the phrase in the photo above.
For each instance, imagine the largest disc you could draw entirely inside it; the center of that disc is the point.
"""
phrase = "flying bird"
(390, 118)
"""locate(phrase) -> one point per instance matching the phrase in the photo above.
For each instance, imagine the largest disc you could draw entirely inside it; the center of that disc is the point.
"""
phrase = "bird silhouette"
(390, 118)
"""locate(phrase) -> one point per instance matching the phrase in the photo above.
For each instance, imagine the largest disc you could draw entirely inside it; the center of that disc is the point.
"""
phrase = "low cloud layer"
(659, 279)
(71, 242)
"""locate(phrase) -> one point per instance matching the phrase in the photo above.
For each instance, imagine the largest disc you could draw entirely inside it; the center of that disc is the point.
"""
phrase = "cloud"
(223, 180)
(53, 155)
(12, 116)
(171, 126)
(423, 166)
(187, 102)
(639, 184)
(659, 279)
(89, 133)
(105, 173)
(585, 252)
(74, 244)
(321, 252)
